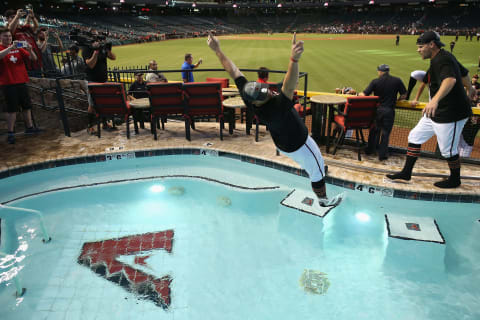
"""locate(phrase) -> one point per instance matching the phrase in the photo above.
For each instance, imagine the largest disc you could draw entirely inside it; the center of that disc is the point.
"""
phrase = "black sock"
(413, 151)
(319, 188)
(411, 84)
(454, 180)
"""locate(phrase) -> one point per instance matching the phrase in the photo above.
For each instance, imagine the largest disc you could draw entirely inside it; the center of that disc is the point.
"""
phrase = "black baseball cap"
(383, 68)
(255, 91)
(429, 36)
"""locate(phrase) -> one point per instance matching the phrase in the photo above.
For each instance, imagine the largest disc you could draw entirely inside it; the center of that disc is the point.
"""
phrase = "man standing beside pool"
(445, 114)
(276, 110)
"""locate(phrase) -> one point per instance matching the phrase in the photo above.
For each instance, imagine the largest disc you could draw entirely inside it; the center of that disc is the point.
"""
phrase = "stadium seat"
(203, 99)
(109, 100)
(359, 114)
(165, 99)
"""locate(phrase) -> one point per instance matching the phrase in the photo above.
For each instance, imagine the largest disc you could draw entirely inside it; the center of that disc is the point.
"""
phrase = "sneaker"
(11, 138)
(32, 130)
(333, 202)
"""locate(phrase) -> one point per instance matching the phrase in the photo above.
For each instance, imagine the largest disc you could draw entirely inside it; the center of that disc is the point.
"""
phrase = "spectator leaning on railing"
(47, 49)
(13, 79)
(387, 88)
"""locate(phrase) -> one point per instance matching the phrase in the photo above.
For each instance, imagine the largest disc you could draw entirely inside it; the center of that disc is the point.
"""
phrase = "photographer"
(47, 49)
(13, 79)
(95, 56)
(26, 32)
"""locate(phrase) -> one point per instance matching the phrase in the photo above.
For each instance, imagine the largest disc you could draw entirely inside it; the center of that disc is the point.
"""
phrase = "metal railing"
(5, 257)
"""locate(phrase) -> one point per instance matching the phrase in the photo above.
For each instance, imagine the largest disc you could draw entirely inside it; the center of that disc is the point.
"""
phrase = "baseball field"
(332, 61)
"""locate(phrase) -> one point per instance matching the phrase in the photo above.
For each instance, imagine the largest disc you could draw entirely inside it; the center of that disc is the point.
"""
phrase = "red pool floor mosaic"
(102, 258)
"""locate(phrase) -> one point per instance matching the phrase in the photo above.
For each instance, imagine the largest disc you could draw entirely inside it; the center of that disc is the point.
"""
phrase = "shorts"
(17, 97)
(309, 157)
(448, 134)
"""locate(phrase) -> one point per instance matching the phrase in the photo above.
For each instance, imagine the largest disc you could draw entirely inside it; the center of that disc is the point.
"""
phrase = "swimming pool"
(214, 238)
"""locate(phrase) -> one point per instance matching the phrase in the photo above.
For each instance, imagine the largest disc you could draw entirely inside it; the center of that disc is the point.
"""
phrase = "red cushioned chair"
(165, 99)
(224, 82)
(109, 100)
(359, 114)
(202, 99)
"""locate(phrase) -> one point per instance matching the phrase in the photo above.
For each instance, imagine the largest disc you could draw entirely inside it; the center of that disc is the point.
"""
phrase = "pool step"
(427, 244)
(306, 202)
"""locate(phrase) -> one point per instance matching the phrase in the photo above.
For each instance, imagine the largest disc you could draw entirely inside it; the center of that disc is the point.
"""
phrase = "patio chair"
(224, 82)
(203, 99)
(166, 99)
(109, 100)
(359, 114)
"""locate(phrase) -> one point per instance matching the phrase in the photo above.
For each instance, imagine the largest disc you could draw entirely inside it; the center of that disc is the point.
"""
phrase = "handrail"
(18, 286)
(46, 237)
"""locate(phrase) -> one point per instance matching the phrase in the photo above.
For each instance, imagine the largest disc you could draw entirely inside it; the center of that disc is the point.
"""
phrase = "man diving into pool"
(276, 110)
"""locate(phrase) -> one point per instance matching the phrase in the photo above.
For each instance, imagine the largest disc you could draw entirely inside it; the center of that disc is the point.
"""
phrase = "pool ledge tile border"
(402, 194)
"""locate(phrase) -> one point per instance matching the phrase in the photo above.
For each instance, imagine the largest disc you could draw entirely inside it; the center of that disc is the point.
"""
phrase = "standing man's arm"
(42, 45)
(31, 16)
(111, 55)
(291, 78)
(445, 87)
(368, 90)
(33, 56)
(198, 63)
(414, 102)
(402, 91)
(227, 64)
(7, 50)
(92, 61)
(471, 92)
(14, 23)
(59, 41)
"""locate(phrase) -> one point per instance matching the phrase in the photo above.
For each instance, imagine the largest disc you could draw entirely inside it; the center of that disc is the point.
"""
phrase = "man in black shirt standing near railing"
(387, 88)
(445, 114)
(276, 110)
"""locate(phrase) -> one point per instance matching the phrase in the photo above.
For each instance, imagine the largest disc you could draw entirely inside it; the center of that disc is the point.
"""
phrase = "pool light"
(157, 188)
(362, 217)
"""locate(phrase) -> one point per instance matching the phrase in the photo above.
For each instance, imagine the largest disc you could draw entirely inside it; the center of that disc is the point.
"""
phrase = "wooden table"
(140, 105)
(320, 104)
(231, 105)
(230, 92)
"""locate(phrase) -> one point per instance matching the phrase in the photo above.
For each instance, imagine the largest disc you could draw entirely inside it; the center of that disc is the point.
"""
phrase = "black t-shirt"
(138, 90)
(386, 88)
(286, 127)
(99, 71)
(455, 105)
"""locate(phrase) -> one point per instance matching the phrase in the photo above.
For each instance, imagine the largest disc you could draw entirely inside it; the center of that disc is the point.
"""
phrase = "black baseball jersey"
(286, 127)
(99, 73)
(386, 88)
(455, 105)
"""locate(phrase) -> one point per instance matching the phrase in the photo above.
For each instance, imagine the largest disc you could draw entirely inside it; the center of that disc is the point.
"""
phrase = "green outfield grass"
(331, 60)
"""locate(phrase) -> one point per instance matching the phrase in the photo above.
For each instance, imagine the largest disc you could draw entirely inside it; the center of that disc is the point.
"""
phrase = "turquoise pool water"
(234, 251)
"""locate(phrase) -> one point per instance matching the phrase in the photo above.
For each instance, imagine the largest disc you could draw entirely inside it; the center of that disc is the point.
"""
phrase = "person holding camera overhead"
(95, 55)
(13, 81)
(26, 32)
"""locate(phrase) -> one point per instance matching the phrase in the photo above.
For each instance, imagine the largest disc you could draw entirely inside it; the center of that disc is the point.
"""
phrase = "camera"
(21, 44)
(87, 39)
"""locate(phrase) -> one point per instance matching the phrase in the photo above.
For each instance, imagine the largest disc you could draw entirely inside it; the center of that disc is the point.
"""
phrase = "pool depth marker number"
(102, 257)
